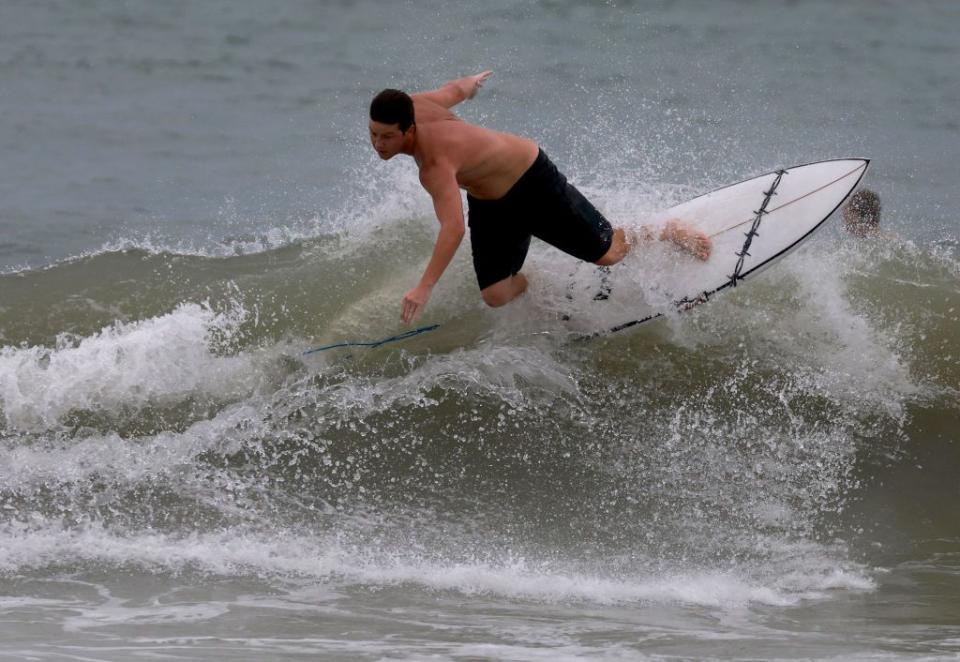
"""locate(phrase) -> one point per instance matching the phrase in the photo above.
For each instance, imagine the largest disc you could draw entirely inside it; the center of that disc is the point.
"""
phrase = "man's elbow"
(457, 231)
(452, 228)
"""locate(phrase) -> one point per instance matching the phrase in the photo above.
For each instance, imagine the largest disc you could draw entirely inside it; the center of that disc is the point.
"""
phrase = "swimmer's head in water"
(391, 117)
(861, 214)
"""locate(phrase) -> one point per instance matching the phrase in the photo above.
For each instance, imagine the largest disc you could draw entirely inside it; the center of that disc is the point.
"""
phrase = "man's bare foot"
(687, 237)
(638, 235)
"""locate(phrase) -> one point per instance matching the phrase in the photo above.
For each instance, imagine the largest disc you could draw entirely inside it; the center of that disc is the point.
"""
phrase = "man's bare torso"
(487, 163)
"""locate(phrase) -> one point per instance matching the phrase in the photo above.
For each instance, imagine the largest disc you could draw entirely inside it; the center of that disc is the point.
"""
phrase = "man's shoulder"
(427, 110)
(441, 141)
(452, 136)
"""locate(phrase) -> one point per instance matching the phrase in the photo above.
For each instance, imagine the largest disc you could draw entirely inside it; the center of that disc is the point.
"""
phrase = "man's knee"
(610, 258)
(502, 293)
(496, 297)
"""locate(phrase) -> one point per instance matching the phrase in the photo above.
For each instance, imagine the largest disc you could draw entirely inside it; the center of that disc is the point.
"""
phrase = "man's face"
(387, 139)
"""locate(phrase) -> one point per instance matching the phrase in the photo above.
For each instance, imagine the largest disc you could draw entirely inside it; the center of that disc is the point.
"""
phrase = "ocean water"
(189, 201)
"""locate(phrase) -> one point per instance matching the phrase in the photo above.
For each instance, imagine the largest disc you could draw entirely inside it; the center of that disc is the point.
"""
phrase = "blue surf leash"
(375, 343)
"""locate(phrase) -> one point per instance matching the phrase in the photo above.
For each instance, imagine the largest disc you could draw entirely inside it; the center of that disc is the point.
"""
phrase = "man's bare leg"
(619, 247)
(694, 241)
(503, 292)
(685, 236)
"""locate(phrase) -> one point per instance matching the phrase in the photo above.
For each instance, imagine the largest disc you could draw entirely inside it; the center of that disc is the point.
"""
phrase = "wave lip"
(129, 364)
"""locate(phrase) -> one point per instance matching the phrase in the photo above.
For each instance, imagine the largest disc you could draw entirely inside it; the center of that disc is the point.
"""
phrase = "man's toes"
(706, 247)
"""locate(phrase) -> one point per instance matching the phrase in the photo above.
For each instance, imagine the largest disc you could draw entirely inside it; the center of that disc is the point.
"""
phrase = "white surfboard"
(753, 224)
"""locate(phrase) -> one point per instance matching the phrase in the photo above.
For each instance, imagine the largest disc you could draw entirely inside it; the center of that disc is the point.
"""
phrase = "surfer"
(513, 192)
(861, 214)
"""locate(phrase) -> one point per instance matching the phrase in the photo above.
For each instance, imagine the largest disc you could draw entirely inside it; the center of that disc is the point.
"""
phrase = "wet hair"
(863, 209)
(393, 107)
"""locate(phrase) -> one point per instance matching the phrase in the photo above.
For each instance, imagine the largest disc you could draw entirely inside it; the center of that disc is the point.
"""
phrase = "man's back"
(487, 163)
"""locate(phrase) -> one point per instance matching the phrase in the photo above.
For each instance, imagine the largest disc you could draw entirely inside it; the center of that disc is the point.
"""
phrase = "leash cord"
(375, 343)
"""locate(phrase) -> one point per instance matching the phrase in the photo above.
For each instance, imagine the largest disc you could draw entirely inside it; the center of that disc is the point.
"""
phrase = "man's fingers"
(479, 80)
(408, 311)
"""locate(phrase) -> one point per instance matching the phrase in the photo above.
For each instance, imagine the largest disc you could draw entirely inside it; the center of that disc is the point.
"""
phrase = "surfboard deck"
(753, 224)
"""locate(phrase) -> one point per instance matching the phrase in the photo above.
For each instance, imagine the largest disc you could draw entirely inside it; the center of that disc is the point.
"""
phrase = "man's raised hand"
(473, 83)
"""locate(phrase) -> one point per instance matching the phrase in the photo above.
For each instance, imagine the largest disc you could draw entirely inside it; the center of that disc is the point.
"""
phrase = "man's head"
(861, 214)
(392, 125)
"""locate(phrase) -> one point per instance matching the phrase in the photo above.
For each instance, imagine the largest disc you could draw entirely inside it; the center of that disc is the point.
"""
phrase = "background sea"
(188, 201)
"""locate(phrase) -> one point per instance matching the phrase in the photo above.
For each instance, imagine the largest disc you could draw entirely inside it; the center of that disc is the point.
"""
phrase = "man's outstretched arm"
(461, 89)
(441, 182)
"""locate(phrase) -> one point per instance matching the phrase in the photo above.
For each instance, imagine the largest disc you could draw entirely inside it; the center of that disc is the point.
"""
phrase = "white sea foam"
(131, 460)
(158, 361)
(513, 373)
(522, 582)
(232, 552)
(845, 336)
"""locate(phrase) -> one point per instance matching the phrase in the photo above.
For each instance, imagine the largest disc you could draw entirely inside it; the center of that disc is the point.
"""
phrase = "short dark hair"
(393, 107)
(864, 205)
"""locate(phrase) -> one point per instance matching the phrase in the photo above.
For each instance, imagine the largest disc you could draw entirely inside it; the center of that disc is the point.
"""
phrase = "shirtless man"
(513, 192)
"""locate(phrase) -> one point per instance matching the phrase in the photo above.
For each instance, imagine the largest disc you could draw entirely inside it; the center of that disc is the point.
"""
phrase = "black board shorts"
(541, 204)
